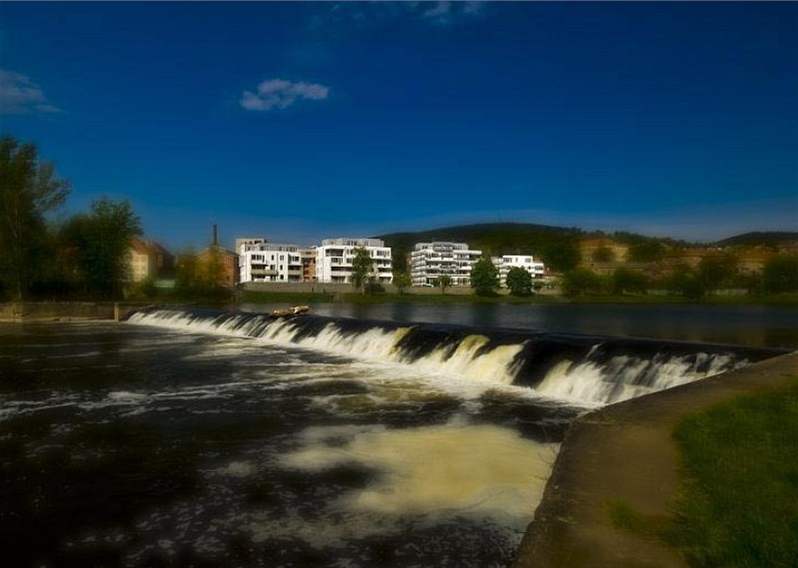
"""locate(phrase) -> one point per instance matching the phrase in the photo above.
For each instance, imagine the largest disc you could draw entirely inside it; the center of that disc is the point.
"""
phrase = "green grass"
(739, 501)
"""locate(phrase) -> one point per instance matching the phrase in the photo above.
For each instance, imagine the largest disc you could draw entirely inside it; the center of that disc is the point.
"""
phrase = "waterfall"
(579, 369)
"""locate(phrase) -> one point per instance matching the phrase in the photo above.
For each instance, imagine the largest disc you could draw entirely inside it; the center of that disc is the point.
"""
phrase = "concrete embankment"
(625, 453)
(63, 311)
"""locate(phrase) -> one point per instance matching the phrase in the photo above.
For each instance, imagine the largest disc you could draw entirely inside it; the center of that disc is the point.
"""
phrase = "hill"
(767, 238)
(493, 238)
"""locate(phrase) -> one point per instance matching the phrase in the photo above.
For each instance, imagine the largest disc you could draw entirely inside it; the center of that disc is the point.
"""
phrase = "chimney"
(215, 235)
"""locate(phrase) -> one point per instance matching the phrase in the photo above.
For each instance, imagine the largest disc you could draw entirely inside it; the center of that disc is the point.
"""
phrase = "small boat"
(292, 311)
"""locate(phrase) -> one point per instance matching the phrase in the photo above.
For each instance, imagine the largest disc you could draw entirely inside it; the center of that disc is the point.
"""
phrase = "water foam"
(585, 371)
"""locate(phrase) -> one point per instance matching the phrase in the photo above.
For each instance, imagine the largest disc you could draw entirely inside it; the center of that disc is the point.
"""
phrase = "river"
(200, 437)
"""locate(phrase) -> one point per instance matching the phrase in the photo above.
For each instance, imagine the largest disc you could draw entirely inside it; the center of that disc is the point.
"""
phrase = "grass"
(738, 501)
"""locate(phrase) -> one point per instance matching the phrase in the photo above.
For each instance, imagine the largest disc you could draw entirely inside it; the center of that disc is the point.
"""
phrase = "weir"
(581, 369)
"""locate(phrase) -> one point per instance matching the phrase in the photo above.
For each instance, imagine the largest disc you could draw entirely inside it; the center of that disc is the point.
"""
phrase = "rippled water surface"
(132, 445)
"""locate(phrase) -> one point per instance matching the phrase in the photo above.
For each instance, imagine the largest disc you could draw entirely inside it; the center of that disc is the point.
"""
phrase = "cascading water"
(581, 369)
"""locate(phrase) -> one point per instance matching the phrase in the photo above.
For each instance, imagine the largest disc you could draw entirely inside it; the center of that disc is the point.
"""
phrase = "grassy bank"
(739, 500)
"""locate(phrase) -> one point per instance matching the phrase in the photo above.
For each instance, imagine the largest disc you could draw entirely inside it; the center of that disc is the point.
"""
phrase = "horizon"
(298, 122)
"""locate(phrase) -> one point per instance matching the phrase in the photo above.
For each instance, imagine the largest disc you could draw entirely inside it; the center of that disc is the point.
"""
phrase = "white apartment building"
(429, 261)
(334, 259)
(262, 261)
(508, 261)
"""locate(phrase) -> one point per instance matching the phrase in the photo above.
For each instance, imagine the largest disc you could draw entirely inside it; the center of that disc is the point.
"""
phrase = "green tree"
(582, 281)
(561, 256)
(626, 280)
(686, 282)
(211, 273)
(484, 277)
(402, 280)
(187, 273)
(443, 281)
(29, 189)
(603, 254)
(519, 281)
(362, 265)
(716, 270)
(101, 240)
(780, 274)
(648, 250)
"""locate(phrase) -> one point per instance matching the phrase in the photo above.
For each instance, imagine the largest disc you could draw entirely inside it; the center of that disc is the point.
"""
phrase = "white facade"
(508, 261)
(261, 261)
(429, 261)
(334, 259)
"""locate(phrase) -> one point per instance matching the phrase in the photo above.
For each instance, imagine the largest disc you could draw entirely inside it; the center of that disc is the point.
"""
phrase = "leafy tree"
(626, 280)
(29, 190)
(443, 281)
(211, 269)
(519, 281)
(781, 274)
(101, 241)
(362, 265)
(648, 250)
(686, 282)
(402, 280)
(484, 277)
(603, 254)
(561, 256)
(582, 281)
(187, 273)
(716, 270)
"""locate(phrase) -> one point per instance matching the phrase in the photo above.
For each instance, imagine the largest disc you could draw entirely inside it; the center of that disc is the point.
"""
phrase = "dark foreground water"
(137, 446)
(203, 438)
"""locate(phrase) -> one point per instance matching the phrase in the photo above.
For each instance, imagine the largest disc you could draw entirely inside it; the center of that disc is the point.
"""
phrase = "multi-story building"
(334, 259)
(429, 261)
(504, 263)
(270, 262)
(148, 259)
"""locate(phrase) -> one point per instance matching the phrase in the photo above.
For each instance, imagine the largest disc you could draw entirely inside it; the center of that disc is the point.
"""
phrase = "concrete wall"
(321, 288)
(58, 311)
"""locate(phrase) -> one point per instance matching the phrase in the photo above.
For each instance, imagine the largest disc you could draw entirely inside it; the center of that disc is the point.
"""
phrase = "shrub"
(781, 274)
(582, 281)
(519, 281)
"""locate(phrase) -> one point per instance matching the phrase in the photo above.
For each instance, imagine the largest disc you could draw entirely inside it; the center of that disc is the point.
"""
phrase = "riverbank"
(624, 461)
(259, 297)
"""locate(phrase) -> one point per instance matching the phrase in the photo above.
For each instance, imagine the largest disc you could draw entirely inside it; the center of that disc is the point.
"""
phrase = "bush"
(519, 281)
(582, 281)
(626, 280)
(717, 270)
(603, 254)
(781, 274)
(686, 283)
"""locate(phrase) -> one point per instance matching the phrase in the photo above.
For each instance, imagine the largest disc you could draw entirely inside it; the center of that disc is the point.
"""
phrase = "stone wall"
(62, 311)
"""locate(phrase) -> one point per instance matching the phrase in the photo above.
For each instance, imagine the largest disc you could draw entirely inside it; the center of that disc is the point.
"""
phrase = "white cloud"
(20, 95)
(279, 94)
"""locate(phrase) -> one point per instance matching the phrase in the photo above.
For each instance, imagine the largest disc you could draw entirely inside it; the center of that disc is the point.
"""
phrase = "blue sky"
(298, 121)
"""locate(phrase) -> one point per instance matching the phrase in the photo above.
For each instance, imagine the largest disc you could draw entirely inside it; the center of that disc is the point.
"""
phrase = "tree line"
(714, 272)
(82, 256)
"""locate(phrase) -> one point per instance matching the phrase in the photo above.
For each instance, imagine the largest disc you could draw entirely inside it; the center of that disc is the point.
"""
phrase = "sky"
(297, 121)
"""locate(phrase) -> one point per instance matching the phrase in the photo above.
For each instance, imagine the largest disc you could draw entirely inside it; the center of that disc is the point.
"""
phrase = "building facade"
(504, 263)
(334, 259)
(228, 273)
(262, 261)
(148, 260)
(429, 261)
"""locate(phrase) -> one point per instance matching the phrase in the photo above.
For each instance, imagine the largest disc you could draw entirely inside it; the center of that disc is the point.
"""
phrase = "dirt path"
(625, 452)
